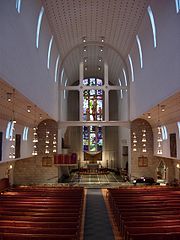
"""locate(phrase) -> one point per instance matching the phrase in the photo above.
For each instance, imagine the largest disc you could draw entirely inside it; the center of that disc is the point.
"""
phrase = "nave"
(121, 213)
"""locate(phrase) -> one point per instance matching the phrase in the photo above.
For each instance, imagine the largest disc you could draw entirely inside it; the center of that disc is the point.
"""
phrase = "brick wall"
(153, 161)
(136, 127)
(5, 170)
(52, 127)
(31, 171)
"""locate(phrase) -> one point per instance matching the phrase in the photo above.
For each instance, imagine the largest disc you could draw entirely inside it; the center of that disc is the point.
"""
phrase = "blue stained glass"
(85, 128)
(85, 105)
(92, 92)
(99, 92)
(99, 135)
(99, 82)
(100, 142)
(86, 147)
(85, 82)
(92, 111)
(92, 82)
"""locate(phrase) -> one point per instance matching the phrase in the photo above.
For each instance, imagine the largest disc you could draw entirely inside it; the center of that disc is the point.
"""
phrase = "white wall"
(171, 128)
(160, 76)
(22, 65)
(26, 146)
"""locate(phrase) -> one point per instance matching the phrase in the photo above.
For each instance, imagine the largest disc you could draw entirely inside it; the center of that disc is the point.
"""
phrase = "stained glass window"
(93, 101)
(92, 111)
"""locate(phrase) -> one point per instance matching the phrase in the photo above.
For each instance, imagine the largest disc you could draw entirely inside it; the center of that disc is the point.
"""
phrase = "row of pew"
(146, 213)
(41, 213)
(4, 184)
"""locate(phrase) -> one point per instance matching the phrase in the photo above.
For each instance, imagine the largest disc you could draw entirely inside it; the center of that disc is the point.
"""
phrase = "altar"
(93, 157)
(93, 166)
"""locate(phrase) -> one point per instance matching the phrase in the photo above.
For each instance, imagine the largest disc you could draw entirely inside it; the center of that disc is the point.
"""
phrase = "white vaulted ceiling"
(117, 21)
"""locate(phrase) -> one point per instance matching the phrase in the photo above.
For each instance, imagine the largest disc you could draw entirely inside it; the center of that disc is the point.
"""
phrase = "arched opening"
(162, 172)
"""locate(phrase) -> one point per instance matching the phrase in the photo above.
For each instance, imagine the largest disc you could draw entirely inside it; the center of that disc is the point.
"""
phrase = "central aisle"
(97, 223)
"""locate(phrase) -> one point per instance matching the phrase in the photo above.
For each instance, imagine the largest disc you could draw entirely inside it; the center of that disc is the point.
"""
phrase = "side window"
(18, 146)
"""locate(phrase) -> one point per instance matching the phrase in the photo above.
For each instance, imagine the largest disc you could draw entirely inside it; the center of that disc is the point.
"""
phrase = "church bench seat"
(149, 230)
(145, 223)
(42, 224)
(44, 204)
(40, 230)
(35, 220)
(38, 212)
(149, 219)
(4, 184)
(22, 236)
(39, 199)
(145, 209)
(146, 214)
(156, 236)
(45, 213)
(54, 211)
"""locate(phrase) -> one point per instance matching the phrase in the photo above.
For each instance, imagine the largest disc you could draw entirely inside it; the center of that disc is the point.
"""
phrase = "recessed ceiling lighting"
(100, 59)
(85, 60)
(99, 68)
(85, 68)
(85, 49)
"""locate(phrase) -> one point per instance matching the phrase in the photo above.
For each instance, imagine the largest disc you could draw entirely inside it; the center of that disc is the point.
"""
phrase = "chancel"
(89, 119)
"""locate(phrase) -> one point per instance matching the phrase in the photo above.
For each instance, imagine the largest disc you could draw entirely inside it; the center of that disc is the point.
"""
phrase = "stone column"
(81, 77)
(106, 93)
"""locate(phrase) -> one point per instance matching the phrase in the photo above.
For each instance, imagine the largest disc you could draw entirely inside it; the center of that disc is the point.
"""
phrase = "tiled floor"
(95, 180)
(97, 223)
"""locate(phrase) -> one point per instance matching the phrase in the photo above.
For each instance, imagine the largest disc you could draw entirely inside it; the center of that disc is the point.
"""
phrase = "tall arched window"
(92, 111)
(18, 6)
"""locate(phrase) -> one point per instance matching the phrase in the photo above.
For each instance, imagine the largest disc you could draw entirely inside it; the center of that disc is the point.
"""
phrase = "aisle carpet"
(97, 223)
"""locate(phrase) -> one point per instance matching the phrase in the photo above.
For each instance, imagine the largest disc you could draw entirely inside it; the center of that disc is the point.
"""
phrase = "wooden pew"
(4, 184)
(146, 212)
(41, 213)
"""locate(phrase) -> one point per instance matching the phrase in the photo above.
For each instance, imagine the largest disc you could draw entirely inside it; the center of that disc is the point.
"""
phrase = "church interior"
(90, 119)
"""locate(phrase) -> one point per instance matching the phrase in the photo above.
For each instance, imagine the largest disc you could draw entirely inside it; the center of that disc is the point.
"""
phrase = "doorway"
(162, 172)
